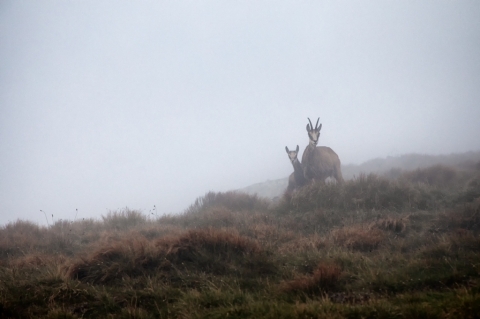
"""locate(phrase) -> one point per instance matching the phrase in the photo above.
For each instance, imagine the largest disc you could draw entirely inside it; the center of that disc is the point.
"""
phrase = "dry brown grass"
(466, 216)
(298, 244)
(212, 216)
(235, 201)
(351, 249)
(113, 259)
(19, 238)
(325, 278)
(124, 219)
(464, 239)
(367, 192)
(209, 250)
(358, 237)
(270, 235)
(159, 229)
(216, 241)
(36, 261)
(393, 224)
(437, 175)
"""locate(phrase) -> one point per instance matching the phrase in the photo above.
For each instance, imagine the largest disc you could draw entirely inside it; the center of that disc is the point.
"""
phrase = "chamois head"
(292, 155)
(314, 133)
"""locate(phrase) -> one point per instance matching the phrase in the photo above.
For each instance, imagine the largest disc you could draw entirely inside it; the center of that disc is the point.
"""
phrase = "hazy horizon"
(106, 105)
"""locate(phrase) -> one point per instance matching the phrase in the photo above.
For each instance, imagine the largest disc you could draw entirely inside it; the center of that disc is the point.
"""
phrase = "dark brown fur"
(297, 178)
(320, 162)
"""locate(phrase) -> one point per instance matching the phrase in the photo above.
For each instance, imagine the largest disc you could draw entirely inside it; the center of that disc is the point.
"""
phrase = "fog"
(113, 104)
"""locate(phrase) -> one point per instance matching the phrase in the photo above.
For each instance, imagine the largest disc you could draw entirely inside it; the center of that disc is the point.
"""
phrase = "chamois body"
(320, 162)
(297, 178)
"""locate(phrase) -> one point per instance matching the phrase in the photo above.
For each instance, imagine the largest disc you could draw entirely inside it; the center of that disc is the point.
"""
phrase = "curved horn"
(316, 125)
(311, 126)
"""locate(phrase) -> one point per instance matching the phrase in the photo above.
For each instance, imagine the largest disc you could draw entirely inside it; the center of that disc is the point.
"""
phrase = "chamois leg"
(291, 184)
(338, 174)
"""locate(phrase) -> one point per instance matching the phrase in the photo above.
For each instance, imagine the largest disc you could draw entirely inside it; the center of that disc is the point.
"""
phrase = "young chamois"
(319, 162)
(297, 178)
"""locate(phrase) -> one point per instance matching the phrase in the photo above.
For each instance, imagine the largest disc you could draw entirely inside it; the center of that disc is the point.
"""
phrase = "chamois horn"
(311, 125)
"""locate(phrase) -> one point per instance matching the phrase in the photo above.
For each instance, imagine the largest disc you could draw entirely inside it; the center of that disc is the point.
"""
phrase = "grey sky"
(107, 104)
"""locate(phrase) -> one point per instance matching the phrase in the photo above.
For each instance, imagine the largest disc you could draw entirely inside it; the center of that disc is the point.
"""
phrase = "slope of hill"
(268, 189)
(391, 166)
(467, 160)
(372, 247)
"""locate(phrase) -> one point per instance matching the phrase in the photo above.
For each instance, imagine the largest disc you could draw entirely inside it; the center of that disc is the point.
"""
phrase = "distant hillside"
(412, 161)
(269, 189)
(391, 165)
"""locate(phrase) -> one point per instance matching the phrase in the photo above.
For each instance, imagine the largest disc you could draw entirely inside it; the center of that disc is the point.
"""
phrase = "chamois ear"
(320, 127)
(297, 148)
(308, 127)
(286, 148)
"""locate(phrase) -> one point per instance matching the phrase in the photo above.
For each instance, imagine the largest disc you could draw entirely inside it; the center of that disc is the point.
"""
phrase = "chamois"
(319, 162)
(297, 178)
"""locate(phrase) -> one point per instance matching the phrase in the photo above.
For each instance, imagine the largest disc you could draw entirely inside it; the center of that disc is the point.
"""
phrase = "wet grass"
(370, 248)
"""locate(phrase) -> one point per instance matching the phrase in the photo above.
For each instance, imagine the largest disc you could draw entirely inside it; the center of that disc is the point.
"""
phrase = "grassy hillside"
(396, 164)
(375, 247)
(391, 167)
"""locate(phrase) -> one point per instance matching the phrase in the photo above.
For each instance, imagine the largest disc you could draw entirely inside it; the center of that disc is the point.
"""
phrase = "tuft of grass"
(219, 252)
(235, 201)
(396, 225)
(358, 237)
(325, 278)
(124, 219)
(109, 262)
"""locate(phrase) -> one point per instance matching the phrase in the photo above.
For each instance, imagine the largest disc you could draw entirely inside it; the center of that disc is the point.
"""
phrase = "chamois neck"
(298, 173)
(309, 150)
(296, 165)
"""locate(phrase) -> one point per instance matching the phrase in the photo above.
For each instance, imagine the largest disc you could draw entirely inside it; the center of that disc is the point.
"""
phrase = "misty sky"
(108, 104)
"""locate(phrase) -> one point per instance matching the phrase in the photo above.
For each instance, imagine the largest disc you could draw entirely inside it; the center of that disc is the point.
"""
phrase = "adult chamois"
(319, 162)
(297, 178)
